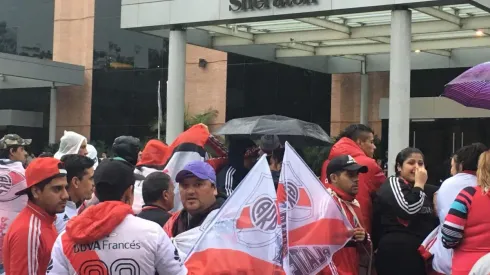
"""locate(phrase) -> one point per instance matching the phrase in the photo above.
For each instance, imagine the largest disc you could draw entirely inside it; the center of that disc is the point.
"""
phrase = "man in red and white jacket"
(30, 238)
(343, 178)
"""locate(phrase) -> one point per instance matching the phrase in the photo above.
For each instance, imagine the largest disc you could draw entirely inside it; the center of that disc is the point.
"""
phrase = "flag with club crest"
(314, 226)
(245, 236)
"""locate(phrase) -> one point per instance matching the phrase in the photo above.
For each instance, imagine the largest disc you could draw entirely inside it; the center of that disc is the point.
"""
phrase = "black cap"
(127, 147)
(117, 174)
(344, 163)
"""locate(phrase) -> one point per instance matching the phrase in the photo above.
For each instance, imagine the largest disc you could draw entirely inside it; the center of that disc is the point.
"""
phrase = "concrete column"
(364, 106)
(399, 104)
(176, 84)
(52, 115)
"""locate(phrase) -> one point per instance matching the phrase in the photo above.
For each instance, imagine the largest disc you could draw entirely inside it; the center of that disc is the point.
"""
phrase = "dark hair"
(468, 156)
(46, 155)
(404, 155)
(153, 186)
(355, 132)
(5, 153)
(107, 192)
(76, 165)
(40, 186)
(278, 154)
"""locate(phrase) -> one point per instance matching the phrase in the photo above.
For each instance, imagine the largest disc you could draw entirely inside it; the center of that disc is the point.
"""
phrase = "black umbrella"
(295, 131)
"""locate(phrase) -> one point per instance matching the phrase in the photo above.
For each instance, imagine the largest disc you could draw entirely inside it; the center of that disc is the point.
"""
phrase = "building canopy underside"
(442, 37)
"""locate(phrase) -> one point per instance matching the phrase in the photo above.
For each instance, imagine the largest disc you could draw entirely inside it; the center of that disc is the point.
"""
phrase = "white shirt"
(62, 219)
(136, 245)
(12, 180)
(446, 195)
(138, 201)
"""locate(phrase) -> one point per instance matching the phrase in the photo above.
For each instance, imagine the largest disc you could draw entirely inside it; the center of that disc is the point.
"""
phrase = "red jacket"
(28, 243)
(346, 260)
(369, 182)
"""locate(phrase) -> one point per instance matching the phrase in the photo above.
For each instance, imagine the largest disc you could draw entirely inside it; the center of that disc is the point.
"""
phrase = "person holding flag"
(343, 179)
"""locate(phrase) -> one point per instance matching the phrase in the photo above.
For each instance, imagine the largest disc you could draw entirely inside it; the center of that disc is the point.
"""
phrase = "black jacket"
(155, 214)
(399, 207)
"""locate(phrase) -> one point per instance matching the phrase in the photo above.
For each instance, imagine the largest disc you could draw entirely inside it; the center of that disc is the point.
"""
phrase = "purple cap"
(199, 169)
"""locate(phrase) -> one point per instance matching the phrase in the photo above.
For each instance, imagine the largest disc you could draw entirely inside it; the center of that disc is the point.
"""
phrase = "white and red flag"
(313, 225)
(245, 236)
(189, 146)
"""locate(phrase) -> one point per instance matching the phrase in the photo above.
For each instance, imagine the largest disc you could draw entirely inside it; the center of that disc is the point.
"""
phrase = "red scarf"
(341, 193)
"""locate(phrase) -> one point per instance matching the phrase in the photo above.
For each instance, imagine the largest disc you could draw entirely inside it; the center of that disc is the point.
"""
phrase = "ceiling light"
(417, 51)
(479, 33)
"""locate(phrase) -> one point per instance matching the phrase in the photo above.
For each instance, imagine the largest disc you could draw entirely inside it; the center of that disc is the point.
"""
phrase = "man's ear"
(36, 192)
(75, 182)
(215, 192)
(128, 195)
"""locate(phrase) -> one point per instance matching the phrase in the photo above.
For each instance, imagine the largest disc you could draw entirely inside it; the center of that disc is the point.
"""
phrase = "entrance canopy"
(331, 36)
(28, 72)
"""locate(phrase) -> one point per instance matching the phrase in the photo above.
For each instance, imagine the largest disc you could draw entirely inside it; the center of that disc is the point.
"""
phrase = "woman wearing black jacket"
(404, 216)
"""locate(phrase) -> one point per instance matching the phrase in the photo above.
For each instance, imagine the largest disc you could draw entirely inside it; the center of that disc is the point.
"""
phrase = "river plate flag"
(312, 223)
(245, 236)
(187, 147)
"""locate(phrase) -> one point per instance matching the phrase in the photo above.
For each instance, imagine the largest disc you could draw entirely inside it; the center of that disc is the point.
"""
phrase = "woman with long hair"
(464, 165)
(404, 215)
(466, 228)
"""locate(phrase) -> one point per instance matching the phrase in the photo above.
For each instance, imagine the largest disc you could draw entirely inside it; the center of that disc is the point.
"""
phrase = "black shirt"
(155, 214)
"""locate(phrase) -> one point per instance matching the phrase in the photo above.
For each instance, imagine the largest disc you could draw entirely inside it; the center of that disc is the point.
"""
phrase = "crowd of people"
(75, 213)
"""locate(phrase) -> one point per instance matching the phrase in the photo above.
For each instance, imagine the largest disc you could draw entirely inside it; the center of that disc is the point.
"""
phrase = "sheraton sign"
(246, 5)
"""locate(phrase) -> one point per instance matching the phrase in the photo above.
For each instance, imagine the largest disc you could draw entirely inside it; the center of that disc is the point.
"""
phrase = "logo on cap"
(351, 160)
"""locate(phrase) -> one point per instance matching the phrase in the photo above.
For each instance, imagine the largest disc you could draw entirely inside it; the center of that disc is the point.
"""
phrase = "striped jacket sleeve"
(22, 249)
(405, 199)
(453, 228)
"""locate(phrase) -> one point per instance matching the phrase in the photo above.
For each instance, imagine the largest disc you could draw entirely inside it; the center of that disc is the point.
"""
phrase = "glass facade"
(127, 68)
(26, 27)
(273, 88)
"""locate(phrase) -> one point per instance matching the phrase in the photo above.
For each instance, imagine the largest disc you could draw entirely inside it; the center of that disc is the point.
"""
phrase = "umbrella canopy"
(471, 88)
(295, 131)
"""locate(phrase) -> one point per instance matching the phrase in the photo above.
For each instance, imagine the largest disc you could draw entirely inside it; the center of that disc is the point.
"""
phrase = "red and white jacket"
(108, 239)
(27, 245)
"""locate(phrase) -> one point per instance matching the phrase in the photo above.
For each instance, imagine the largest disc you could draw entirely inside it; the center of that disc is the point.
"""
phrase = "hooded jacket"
(369, 182)
(108, 237)
(152, 158)
(127, 147)
(346, 260)
(70, 143)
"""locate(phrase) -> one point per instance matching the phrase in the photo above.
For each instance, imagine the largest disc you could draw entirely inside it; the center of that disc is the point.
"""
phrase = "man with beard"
(28, 243)
(197, 184)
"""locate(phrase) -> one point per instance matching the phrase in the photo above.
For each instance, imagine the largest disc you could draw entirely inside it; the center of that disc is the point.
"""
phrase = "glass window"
(26, 27)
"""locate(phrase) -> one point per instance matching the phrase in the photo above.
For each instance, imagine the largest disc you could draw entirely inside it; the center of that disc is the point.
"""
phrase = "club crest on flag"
(298, 197)
(258, 220)
(8, 181)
